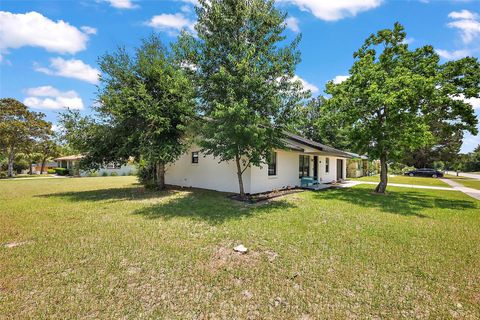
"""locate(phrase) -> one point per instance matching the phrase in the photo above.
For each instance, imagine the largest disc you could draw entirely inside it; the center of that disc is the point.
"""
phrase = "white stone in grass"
(240, 248)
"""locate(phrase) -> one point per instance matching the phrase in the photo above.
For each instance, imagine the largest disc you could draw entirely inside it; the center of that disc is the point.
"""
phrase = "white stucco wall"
(287, 173)
(208, 173)
(123, 170)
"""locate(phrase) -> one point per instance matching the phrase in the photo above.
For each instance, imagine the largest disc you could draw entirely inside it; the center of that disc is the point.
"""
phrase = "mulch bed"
(259, 197)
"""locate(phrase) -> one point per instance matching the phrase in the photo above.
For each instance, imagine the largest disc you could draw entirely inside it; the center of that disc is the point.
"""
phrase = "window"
(195, 157)
(304, 167)
(327, 165)
(272, 164)
(112, 165)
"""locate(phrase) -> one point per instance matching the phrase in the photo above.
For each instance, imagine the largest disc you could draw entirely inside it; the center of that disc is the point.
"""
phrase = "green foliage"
(3, 174)
(114, 174)
(439, 165)
(399, 168)
(318, 124)
(468, 162)
(146, 173)
(104, 174)
(392, 95)
(20, 130)
(62, 171)
(51, 171)
(145, 105)
(244, 70)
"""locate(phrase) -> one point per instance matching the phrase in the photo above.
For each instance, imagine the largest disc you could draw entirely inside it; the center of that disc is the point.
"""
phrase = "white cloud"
(122, 4)
(306, 85)
(475, 102)
(467, 23)
(464, 14)
(292, 24)
(340, 79)
(453, 55)
(35, 30)
(186, 9)
(88, 30)
(332, 10)
(50, 98)
(171, 23)
(71, 68)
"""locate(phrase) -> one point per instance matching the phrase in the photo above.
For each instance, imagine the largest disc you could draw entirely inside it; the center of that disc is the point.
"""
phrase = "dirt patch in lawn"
(225, 258)
(16, 244)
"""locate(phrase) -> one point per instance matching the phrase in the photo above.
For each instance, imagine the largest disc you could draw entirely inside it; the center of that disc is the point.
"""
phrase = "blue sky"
(49, 49)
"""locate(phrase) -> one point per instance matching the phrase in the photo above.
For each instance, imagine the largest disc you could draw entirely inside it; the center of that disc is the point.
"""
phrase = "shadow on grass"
(407, 203)
(112, 194)
(210, 206)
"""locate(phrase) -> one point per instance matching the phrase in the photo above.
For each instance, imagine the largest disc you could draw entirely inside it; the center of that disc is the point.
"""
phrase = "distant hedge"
(62, 171)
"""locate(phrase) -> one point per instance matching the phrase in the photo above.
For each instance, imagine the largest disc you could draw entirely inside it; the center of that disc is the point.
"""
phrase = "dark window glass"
(272, 164)
(195, 157)
(327, 165)
(304, 166)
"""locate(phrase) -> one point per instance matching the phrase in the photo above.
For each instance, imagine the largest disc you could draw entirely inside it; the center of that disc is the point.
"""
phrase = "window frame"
(273, 155)
(302, 168)
(112, 166)
(327, 165)
(195, 156)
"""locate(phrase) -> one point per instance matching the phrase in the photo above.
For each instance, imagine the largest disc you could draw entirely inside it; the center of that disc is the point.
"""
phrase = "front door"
(315, 167)
(339, 169)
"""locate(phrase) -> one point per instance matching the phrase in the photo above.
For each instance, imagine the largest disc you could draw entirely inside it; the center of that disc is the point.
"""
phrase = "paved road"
(464, 174)
(474, 193)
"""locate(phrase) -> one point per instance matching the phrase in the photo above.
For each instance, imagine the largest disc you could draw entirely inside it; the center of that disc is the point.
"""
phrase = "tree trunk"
(240, 178)
(160, 175)
(30, 169)
(382, 186)
(11, 156)
(42, 168)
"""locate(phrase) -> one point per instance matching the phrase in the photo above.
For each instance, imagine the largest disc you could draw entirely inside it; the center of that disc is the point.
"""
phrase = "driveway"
(474, 193)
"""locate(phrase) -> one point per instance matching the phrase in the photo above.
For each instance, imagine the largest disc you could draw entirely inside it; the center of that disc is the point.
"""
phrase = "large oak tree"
(20, 129)
(145, 106)
(392, 94)
(244, 70)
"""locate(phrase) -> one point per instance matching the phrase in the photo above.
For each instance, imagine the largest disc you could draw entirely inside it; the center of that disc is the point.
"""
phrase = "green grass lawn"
(422, 181)
(471, 183)
(106, 248)
(467, 182)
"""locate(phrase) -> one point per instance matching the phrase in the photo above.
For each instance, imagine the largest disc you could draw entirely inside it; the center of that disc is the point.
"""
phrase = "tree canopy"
(244, 71)
(393, 93)
(145, 103)
(20, 129)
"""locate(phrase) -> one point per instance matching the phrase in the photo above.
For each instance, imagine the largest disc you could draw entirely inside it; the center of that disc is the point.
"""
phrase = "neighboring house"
(301, 158)
(72, 163)
(357, 166)
(36, 167)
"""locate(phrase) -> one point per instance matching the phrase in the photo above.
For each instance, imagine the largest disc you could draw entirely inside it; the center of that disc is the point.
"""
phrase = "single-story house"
(36, 167)
(301, 158)
(357, 165)
(72, 163)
